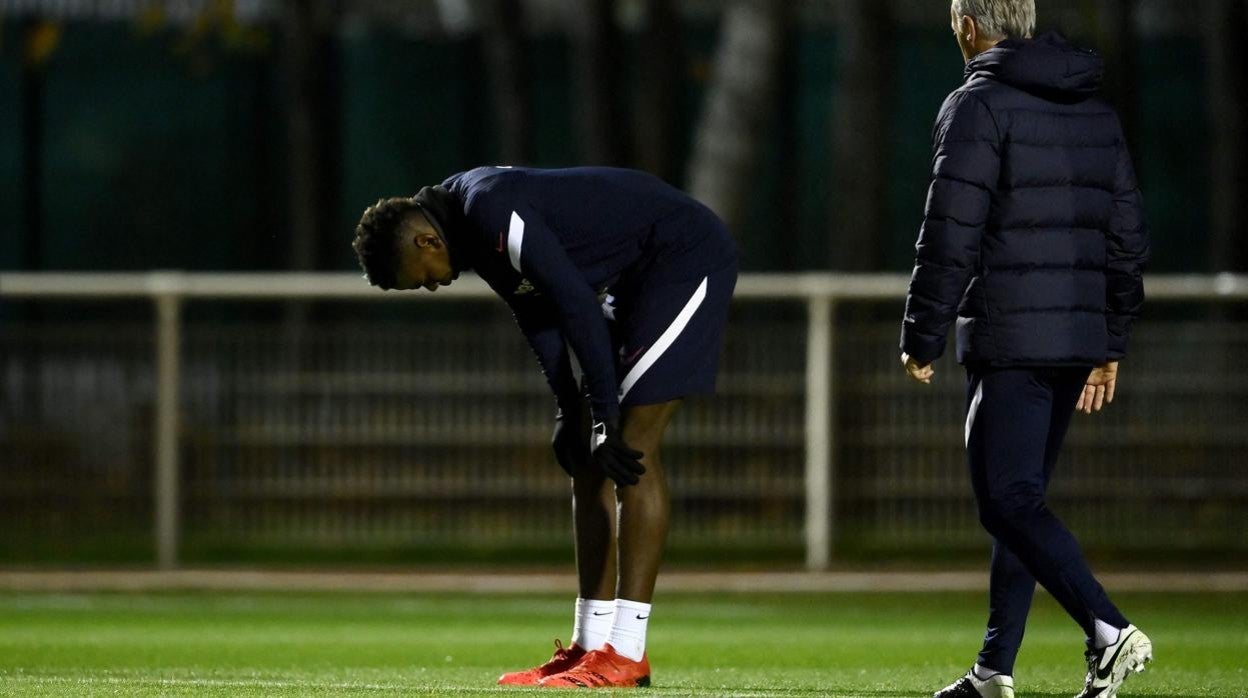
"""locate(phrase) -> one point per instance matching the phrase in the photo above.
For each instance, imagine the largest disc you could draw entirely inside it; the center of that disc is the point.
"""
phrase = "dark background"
(241, 136)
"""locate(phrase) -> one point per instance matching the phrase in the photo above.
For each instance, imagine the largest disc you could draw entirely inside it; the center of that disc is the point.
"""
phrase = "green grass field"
(254, 644)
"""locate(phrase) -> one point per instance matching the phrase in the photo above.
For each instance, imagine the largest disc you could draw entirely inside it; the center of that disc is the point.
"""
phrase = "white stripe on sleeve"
(515, 239)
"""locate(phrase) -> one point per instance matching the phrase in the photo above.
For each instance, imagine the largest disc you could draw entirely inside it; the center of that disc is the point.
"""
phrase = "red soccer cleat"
(604, 668)
(565, 658)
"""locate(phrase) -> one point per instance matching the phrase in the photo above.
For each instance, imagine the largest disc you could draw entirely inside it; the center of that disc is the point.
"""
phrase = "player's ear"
(969, 29)
(428, 239)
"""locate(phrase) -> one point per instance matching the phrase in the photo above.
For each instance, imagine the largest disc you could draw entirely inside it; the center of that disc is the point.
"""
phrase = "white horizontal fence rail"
(820, 292)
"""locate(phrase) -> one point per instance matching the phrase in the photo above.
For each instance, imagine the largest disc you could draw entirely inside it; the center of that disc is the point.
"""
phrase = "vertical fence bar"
(830, 478)
(165, 492)
(818, 435)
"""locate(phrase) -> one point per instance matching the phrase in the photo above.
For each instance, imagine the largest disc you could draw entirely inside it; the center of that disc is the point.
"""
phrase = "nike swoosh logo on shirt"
(1103, 673)
(641, 617)
(632, 357)
(502, 240)
(604, 613)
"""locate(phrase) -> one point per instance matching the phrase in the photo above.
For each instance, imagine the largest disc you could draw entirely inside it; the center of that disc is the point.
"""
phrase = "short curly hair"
(376, 239)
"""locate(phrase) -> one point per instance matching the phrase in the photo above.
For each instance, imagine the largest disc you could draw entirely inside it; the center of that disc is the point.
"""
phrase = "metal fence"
(293, 416)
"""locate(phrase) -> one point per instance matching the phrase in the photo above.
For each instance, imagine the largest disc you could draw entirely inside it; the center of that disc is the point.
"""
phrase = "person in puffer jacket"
(1034, 242)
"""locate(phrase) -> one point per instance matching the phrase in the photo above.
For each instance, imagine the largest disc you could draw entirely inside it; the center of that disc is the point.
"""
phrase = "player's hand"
(614, 457)
(1099, 388)
(922, 374)
(567, 440)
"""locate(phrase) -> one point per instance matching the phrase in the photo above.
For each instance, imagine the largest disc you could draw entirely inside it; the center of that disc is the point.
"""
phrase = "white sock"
(593, 623)
(1106, 634)
(628, 635)
(983, 673)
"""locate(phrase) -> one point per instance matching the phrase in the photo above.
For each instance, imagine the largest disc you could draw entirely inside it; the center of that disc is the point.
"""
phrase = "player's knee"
(641, 439)
(587, 479)
(1010, 504)
(642, 427)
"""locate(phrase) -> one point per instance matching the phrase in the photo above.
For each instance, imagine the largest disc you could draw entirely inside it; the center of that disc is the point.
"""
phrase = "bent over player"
(1034, 241)
(636, 278)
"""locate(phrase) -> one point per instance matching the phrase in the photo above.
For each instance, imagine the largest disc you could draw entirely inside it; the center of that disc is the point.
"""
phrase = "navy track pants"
(1016, 421)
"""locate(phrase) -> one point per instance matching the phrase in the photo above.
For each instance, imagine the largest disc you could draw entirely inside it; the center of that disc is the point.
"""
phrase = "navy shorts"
(668, 326)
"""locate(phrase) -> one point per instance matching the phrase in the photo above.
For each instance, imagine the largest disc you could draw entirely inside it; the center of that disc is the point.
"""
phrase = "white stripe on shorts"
(665, 340)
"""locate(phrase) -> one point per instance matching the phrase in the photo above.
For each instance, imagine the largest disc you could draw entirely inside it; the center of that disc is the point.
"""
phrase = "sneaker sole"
(643, 682)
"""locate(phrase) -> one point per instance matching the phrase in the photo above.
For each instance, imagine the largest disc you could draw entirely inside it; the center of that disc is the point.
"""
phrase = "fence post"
(165, 438)
(819, 437)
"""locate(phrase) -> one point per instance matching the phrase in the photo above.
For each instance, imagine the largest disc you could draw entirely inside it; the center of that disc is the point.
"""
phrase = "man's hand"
(922, 374)
(1099, 389)
(613, 456)
(568, 440)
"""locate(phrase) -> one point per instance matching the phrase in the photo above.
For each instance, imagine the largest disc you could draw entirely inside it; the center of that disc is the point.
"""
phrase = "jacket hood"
(1048, 66)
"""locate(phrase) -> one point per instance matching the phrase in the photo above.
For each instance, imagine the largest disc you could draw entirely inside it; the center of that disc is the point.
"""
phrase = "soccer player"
(636, 278)
(1034, 241)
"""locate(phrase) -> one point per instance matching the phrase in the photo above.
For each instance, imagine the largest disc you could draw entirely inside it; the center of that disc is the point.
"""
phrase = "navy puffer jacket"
(1033, 236)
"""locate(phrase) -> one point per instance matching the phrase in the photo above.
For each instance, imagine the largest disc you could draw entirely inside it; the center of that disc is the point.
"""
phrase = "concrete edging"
(494, 582)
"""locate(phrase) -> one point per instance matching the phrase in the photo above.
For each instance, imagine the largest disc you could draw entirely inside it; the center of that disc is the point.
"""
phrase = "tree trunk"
(309, 64)
(32, 112)
(502, 30)
(861, 142)
(603, 128)
(1226, 54)
(660, 91)
(739, 107)
(313, 150)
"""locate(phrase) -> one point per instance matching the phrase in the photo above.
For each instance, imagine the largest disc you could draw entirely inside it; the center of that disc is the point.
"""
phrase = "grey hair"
(999, 19)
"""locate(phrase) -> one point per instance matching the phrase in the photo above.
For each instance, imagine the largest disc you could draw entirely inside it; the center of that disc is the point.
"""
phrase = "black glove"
(568, 442)
(613, 456)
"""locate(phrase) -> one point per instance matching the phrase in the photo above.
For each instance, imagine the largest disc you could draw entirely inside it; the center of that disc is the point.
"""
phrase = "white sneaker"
(969, 686)
(1109, 666)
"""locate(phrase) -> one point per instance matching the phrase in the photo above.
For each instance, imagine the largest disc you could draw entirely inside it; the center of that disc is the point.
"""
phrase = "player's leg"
(1010, 435)
(644, 510)
(1010, 591)
(1115, 650)
(593, 516)
(645, 507)
(1011, 587)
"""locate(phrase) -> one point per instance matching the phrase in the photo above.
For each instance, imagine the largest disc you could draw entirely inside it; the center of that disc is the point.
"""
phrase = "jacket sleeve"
(966, 163)
(539, 321)
(537, 254)
(1126, 253)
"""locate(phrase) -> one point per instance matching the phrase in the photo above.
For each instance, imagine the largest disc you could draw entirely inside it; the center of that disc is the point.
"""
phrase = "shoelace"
(1091, 658)
(561, 654)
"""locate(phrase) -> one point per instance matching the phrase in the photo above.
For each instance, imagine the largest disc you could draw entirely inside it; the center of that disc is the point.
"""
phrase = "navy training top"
(550, 243)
